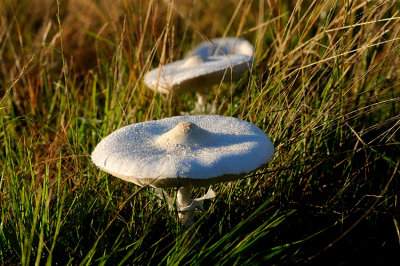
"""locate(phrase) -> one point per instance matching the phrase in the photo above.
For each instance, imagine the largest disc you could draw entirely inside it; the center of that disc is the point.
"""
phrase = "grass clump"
(325, 87)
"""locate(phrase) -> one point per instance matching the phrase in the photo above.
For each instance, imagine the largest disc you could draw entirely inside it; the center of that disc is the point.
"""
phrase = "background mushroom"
(222, 59)
(223, 46)
(182, 152)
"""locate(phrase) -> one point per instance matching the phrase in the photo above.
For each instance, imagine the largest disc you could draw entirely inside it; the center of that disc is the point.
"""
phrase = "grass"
(325, 87)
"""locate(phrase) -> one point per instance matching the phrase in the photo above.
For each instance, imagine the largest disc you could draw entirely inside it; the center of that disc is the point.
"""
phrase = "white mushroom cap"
(223, 46)
(206, 66)
(184, 150)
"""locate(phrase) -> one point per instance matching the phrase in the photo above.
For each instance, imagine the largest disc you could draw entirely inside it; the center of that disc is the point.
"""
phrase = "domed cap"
(224, 46)
(207, 65)
(184, 150)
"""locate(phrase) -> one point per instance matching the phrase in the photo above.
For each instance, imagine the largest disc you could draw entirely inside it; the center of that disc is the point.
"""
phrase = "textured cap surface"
(223, 46)
(206, 65)
(183, 150)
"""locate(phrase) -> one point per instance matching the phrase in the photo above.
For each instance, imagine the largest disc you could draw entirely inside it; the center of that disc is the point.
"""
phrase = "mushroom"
(209, 63)
(223, 46)
(184, 151)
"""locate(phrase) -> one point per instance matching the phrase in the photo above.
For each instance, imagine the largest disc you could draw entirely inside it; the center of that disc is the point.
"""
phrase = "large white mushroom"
(182, 152)
(222, 59)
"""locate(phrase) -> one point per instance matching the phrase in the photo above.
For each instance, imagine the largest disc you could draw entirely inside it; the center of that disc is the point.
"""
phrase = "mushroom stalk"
(183, 200)
(201, 106)
(201, 99)
(187, 206)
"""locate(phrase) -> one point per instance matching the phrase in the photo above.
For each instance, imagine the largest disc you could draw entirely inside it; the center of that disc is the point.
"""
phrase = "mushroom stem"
(201, 99)
(183, 200)
(201, 106)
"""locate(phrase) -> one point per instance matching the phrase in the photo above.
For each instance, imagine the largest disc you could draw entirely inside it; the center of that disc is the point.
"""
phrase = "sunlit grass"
(325, 87)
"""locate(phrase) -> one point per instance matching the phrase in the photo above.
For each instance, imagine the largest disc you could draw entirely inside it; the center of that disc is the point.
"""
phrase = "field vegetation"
(325, 86)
